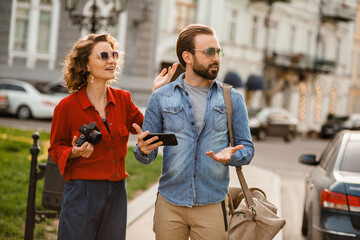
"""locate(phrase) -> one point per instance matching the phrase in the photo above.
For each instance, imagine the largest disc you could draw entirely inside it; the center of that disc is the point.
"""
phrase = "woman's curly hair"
(75, 65)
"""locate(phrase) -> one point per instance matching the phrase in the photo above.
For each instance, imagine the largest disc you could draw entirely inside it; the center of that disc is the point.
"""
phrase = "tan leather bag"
(252, 216)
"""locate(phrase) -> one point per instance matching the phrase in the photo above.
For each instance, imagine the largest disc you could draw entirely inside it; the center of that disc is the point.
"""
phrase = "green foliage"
(140, 176)
(14, 179)
(15, 161)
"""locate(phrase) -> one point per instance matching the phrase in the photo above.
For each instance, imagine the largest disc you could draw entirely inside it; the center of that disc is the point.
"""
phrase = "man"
(195, 174)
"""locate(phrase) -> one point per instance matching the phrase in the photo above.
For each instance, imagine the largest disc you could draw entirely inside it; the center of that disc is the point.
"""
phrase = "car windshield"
(351, 161)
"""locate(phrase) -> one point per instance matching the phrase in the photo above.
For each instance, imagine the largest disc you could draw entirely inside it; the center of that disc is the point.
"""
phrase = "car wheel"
(23, 112)
(289, 137)
(261, 134)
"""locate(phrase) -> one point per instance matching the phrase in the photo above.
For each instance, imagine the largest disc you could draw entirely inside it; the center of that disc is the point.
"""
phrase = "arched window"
(34, 31)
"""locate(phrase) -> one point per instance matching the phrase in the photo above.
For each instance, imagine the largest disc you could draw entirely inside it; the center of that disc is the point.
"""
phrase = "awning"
(255, 82)
(233, 79)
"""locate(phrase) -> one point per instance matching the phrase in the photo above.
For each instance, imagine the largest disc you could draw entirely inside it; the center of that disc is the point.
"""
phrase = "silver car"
(26, 101)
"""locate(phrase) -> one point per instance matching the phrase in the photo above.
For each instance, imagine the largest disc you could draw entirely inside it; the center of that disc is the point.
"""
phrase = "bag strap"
(227, 98)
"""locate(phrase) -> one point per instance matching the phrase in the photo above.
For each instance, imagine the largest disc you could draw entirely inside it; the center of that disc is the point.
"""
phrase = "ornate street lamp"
(95, 22)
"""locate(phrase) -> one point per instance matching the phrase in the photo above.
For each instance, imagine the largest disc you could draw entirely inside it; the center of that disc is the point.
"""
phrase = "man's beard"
(204, 72)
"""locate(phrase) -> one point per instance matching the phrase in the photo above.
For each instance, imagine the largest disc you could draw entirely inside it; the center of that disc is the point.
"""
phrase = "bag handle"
(227, 98)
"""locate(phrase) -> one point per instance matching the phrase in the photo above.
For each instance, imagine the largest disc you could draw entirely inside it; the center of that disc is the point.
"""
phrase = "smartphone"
(168, 139)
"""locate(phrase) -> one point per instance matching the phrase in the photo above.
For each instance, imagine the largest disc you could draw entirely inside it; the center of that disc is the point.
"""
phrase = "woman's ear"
(187, 56)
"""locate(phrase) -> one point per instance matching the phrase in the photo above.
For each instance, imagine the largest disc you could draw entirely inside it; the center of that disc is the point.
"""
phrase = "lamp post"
(95, 22)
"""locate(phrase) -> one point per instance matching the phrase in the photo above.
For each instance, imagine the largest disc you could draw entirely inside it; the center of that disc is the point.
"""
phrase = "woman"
(94, 201)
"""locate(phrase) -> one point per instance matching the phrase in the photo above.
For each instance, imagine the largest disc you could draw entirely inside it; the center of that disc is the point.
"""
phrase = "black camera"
(89, 134)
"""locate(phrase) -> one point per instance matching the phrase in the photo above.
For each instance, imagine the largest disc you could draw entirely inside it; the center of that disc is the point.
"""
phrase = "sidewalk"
(141, 209)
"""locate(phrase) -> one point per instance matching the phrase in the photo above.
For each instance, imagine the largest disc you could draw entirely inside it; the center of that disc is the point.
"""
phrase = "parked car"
(56, 88)
(353, 122)
(274, 121)
(332, 190)
(335, 124)
(26, 101)
(4, 101)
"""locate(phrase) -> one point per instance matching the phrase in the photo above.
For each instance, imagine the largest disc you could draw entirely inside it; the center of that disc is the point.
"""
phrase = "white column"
(55, 17)
(33, 33)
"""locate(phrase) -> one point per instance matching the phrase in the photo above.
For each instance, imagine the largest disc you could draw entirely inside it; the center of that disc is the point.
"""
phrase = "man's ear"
(187, 56)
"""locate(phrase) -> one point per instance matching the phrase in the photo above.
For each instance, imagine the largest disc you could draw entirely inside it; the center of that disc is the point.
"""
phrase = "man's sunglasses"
(210, 51)
(105, 56)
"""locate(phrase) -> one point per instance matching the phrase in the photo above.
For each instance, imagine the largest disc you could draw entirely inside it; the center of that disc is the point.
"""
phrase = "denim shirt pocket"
(173, 118)
(219, 119)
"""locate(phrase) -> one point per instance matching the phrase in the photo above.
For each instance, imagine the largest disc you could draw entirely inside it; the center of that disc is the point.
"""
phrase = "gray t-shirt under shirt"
(198, 97)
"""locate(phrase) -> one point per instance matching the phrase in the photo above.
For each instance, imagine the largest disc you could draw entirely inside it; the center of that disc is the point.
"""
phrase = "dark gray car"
(332, 190)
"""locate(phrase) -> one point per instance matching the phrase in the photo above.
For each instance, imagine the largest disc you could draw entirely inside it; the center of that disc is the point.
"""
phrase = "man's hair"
(185, 41)
(75, 65)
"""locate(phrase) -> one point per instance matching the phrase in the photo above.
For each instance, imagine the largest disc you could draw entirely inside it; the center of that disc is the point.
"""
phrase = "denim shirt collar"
(179, 82)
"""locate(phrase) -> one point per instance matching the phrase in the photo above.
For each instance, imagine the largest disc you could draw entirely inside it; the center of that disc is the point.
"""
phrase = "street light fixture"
(94, 22)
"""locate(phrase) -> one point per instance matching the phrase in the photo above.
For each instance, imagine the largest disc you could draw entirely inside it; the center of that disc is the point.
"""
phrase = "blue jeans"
(93, 209)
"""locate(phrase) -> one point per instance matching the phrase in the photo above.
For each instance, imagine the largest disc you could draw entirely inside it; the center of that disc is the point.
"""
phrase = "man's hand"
(84, 151)
(146, 147)
(162, 80)
(225, 155)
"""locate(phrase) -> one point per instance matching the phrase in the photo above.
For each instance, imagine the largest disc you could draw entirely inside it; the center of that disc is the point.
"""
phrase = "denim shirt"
(189, 177)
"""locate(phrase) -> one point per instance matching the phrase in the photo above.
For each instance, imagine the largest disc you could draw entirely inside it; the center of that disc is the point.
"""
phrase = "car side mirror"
(309, 159)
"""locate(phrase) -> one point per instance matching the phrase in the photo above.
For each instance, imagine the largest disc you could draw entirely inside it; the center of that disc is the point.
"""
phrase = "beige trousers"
(206, 222)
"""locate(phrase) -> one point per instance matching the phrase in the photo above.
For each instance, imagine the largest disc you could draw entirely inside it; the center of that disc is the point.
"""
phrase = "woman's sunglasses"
(105, 56)
(210, 51)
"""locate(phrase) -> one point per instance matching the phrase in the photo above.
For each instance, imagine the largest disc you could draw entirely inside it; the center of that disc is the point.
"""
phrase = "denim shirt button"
(194, 175)
(189, 106)
(192, 124)
(195, 158)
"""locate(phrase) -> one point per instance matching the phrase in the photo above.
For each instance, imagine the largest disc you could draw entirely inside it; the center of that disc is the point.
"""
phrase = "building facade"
(36, 36)
(301, 49)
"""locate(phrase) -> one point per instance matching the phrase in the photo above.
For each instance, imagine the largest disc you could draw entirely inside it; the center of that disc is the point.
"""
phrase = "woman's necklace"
(99, 107)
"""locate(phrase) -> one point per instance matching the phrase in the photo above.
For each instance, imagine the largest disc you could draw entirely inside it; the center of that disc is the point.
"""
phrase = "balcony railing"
(337, 12)
(324, 65)
(299, 62)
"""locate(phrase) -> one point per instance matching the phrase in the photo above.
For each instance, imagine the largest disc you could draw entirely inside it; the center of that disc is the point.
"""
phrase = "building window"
(22, 22)
(273, 28)
(308, 45)
(186, 10)
(33, 31)
(292, 38)
(338, 49)
(254, 31)
(233, 25)
(44, 31)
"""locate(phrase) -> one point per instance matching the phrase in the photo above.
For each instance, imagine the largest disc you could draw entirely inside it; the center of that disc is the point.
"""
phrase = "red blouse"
(107, 162)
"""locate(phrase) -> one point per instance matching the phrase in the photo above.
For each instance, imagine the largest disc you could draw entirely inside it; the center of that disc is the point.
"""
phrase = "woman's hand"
(162, 80)
(84, 151)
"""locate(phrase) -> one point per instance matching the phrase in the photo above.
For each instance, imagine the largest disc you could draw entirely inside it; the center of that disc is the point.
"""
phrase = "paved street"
(282, 158)
(273, 154)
